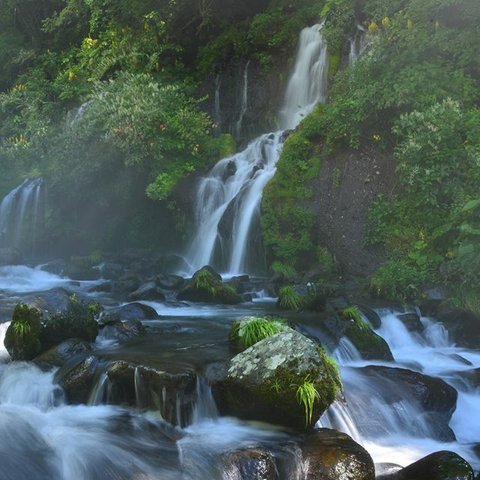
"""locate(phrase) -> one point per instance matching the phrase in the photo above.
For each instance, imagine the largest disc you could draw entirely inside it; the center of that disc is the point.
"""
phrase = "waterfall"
(244, 103)
(228, 198)
(21, 215)
(217, 112)
(358, 44)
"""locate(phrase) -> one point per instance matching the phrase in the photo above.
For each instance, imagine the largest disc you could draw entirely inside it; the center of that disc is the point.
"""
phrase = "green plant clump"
(306, 395)
(250, 330)
(289, 299)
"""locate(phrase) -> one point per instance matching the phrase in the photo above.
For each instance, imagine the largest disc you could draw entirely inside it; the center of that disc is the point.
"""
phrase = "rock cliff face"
(243, 98)
(345, 189)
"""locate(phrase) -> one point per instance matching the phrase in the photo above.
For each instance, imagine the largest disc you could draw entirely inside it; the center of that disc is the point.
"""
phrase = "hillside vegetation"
(101, 98)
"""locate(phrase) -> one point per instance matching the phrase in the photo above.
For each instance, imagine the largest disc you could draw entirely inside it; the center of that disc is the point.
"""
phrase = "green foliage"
(352, 313)
(289, 299)
(396, 280)
(250, 330)
(287, 224)
(306, 395)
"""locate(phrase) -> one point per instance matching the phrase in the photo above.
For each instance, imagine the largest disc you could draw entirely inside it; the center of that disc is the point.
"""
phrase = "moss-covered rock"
(247, 331)
(22, 339)
(370, 345)
(285, 379)
(443, 465)
(207, 286)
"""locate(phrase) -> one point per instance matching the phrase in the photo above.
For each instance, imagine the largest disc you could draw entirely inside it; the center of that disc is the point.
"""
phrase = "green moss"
(22, 339)
(333, 64)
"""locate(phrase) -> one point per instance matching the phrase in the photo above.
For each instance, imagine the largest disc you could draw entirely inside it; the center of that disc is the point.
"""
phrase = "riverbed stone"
(261, 383)
(463, 327)
(115, 329)
(131, 311)
(442, 465)
(147, 291)
(332, 455)
(172, 394)
(207, 286)
(250, 464)
(64, 352)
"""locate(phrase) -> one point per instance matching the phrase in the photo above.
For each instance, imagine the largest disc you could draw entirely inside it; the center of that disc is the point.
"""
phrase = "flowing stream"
(228, 198)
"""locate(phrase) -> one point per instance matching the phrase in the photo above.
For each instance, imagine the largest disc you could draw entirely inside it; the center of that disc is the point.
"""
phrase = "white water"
(399, 432)
(358, 44)
(20, 215)
(23, 279)
(244, 103)
(228, 198)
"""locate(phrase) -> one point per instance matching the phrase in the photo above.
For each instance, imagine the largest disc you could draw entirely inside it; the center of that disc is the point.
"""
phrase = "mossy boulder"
(48, 320)
(22, 339)
(443, 465)
(370, 345)
(264, 381)
(207, 286)
(247, 331)
(332, 455)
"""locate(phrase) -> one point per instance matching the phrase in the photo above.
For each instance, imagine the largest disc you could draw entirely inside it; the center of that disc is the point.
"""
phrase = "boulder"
(173, 395)
(463, 327)
(170, 282)
(131, 311)
(370, 345)
(332, 455)
(22, 338)
(436, 398)
(77, 379)
(268, 381)
(121, 331)
(250, 464)
(48, 320)
(73, 348)
(411, 321)
(207, 286)
(147, 291)
(443, 465)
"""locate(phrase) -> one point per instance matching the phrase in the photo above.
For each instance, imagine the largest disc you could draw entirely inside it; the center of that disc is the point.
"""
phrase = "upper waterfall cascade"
(21, 213)
(228, 198)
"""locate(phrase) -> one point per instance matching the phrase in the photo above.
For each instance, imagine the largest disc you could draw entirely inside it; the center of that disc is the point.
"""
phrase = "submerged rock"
(77, 379)
(64, 352)
(206, 286)
(250, 464)
(443, 465)
(113, 328)
(332, 455)
(148, 291)
(171, 394)
(267, 381)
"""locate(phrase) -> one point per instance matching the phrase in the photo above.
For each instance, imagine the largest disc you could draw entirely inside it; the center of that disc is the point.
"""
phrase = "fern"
(289, 299)
(306, 396)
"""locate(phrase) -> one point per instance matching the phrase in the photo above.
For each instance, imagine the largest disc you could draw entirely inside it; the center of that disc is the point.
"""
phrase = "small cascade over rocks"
(228, 198)
(22, 215)
(358, 44)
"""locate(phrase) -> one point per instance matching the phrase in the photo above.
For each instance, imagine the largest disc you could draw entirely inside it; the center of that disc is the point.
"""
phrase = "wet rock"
(463, 327)
(64, 352)
(443, 465)
(170, 282)
(102, 287)
(171, 394)
(250, 464)
(370, 345)
(411, 321)
(262, 383)
(207, 286)
(436, 398)
(127, 283)
(77, 379)
(332, 455)
(371, 315)
(83, 268)
(147, 291)
(121, 331)
(132, 311)
(22, 339)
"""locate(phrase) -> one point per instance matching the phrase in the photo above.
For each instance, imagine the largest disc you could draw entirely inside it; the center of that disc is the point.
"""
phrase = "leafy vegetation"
(250, 330)
(306, 396)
